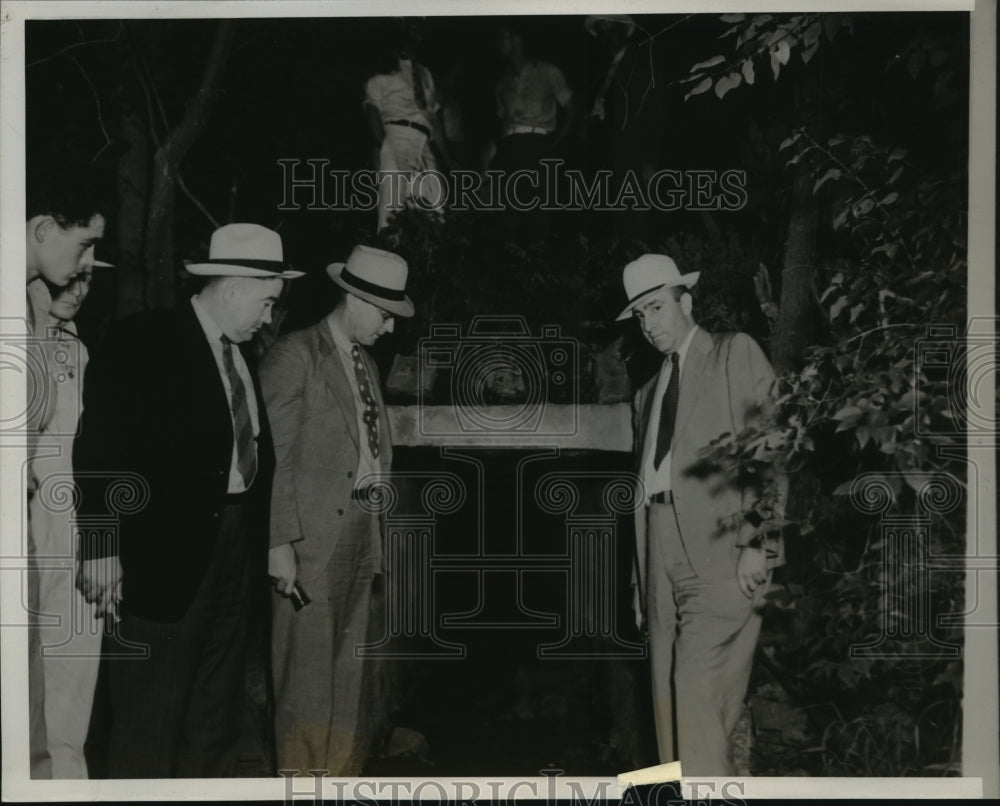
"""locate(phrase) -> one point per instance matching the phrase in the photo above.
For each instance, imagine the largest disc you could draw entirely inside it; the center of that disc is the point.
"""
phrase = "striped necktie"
(246, 450)
(370, 413)
(668, 412)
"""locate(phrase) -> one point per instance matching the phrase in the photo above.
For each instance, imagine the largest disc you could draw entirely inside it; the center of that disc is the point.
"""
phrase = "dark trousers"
(178, 712)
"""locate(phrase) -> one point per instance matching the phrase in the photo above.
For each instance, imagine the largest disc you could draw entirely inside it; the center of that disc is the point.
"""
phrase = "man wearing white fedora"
(175, 453)
(332, 441)
(699, 577)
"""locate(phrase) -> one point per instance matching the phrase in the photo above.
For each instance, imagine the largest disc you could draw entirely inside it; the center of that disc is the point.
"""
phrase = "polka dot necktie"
(370, 413)
(246, 453)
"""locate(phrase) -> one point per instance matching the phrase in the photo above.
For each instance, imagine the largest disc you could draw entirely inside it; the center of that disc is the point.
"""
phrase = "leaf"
(845, 488)
(833, 173)
(727, 83)
(784, 51)
(856, 311)
(896, 174)
(897, 154)
(706, 64)
(733, 17)
(812, 33)
(808, 53)
(775, 65)
(788, 141)
(748, 74)
(838, 222)
(837, 307)
(700, 88)
(863, 207)
(831, 24)
(847, 412)
(890, 198)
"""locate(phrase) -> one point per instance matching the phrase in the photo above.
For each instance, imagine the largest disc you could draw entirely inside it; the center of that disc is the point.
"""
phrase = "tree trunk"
(792, 331)
(793, 328)
(160, 258)
(133, 193)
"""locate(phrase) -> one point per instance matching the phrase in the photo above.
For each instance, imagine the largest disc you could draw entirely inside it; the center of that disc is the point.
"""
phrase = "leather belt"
(420, 127)
(522, 129)
(663, 498)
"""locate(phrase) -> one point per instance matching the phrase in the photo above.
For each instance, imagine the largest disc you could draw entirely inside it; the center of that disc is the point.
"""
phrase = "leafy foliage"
(866, 405)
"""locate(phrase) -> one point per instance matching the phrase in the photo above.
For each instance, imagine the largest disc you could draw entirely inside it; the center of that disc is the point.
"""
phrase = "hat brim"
(403, 307)
(236, 270)
(686, 280)
(100, 264)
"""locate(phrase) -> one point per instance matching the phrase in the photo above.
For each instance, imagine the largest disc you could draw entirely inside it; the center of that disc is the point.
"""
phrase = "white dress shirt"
(214, 336)
(658, 480)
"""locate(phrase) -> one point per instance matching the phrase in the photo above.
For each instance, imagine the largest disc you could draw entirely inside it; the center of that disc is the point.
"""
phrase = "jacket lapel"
(332, 368)
(696, 369)
(646, 395)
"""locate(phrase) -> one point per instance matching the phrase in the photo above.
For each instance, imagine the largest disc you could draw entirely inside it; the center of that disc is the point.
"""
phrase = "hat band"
(647, 292)
(276, 266)
(390, 294)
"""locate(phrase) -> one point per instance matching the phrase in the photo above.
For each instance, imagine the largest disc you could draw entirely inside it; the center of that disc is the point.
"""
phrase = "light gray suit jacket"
(726, 379)
(315, 427)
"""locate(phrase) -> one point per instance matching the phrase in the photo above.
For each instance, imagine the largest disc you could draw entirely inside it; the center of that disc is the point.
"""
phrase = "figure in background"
(173, 421)
(332, 443)
(402, 110)
(700, 579)
(534, 104)
(63, 223)
(71, 639)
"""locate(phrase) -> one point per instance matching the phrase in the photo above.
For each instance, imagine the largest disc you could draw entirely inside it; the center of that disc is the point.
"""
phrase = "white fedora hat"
(649, 273)
(244, 250)
(376, 276)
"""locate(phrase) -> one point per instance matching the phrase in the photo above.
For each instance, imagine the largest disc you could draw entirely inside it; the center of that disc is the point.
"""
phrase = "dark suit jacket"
(156, 421)
(725, 381)
(310, 403)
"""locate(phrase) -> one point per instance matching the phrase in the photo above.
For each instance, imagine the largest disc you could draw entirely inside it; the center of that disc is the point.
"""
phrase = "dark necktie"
(246, 453)
(370, 414)
(668, 412)
(418, 88)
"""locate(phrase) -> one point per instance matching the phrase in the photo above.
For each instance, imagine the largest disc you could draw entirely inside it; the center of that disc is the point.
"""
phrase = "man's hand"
(282, 566)
(98, 581)
(751, 570)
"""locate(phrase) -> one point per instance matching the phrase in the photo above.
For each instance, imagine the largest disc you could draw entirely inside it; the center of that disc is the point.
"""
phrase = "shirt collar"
(682, 351)
(212, 331)
(344, 344)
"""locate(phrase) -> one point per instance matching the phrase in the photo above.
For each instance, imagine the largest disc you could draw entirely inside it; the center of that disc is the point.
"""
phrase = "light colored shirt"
(532, 97)
(369, 467)
(214, 336)
(657, 480)
(393, 96)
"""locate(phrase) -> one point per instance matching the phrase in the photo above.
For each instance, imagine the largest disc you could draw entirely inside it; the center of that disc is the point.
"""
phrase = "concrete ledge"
(585, 427)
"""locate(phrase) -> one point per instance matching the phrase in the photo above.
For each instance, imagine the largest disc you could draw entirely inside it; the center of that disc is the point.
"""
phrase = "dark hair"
(69, 195)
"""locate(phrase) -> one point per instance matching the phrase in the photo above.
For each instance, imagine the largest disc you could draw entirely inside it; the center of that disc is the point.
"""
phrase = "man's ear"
(686, 303)
(41, 227)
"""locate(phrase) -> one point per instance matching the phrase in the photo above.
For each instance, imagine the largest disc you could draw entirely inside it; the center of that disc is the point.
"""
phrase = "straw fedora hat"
(650, 273)
(244, 250)
(376, 276)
